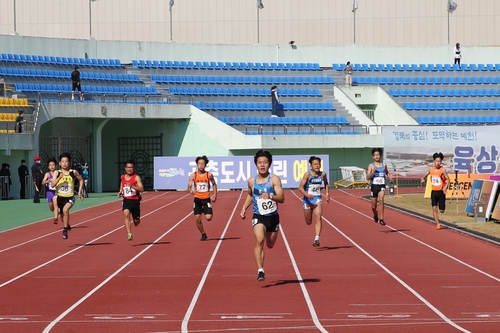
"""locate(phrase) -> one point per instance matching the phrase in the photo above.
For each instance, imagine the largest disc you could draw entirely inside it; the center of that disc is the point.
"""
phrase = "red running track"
(365, 277)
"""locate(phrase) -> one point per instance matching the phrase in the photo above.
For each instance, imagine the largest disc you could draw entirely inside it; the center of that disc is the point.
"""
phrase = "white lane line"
(309, 303)
(394, 276)
(427, 245)
(58, 231)
(189, 312)
(90, 293)
(78, 248)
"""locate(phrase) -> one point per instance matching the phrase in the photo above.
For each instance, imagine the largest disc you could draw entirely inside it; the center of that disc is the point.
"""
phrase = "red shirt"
(128, 192)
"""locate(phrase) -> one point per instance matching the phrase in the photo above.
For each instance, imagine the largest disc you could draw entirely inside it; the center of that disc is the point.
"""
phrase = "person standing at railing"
(348, 74)
(457, 53)
(275, 100)
(76, 83)
(37, 174)
(19, 121)
(23, 171)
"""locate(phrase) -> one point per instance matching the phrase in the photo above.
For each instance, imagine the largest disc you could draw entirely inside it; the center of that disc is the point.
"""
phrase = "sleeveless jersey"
(313, 185)
(378, 177)
(128, 192)
(437, 178)
(202, 185)
(49, 184)
(65, 187)
(260, 206)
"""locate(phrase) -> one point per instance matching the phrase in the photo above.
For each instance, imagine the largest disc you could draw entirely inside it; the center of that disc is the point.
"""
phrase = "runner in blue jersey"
(310, 187)
(377, 173)
(264, 194)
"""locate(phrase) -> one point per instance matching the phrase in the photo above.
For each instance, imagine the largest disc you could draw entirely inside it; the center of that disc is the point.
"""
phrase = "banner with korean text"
(230, 172)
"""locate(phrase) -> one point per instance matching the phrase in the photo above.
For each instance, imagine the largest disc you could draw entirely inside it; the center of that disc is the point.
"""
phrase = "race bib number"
(436, 181)
(128, 191)
(314, 190)
(52, 188)
(266, 206)
(65, 188)
(201, 187)
(379, 181)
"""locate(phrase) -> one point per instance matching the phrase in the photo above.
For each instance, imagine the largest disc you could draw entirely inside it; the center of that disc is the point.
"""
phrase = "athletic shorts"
(76, 86)
(438, 198)
(272, 222)
(62, 201)
(202, 206)
(133, 206)
(50, 194)
(308, 204)
(376, 189)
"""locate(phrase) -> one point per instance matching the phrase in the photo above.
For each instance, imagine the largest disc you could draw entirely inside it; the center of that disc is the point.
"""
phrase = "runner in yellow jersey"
(64, 182)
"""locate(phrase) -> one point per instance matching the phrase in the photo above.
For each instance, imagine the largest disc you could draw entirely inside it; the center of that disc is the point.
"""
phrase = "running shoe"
(65, 234)
(137, 222)
(203, 237)
(382, 222)
(316, 243)
(375, 217)
(129, 237)
(261, 276)
(69, 227)
(56, 220)
(439, 227)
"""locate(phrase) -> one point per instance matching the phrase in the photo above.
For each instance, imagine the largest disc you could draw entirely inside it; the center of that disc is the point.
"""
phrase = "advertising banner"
(475, 194)
(230, 172)
(462, 189)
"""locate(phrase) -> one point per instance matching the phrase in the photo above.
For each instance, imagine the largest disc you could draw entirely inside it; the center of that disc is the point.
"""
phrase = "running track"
(365, 277)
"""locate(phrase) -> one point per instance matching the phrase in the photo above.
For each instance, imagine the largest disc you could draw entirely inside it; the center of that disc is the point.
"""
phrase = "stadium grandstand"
(194, 78)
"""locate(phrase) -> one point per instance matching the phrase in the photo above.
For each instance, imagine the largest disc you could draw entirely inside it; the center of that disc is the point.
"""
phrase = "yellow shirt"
(65, 187)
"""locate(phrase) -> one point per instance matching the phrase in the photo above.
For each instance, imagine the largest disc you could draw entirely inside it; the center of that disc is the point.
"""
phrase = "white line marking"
(310, 306)
(77, 248)
(187, 316)
(90, 293)
(58, 231)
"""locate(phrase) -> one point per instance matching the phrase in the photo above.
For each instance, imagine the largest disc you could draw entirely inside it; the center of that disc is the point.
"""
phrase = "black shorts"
(376, 189)
(438, 198)
(133, 206)
(76, 86)
(202, 206)
(272, 222)
(62, 201)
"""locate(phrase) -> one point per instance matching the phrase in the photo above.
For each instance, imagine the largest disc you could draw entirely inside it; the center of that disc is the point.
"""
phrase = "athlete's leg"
(374, 206)
(435, 214)
(65, 216)
(126, 214)
(380, 198)
(318, 211)
(271, 238)
(259, 230)
(199, 224)
(55, 209)
(208, 217)
(308, 214)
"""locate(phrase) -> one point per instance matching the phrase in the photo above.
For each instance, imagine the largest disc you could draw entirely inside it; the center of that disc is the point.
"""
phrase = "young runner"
(264, 194)
(50, 191)
(310, 187)
(64, 182)
(201, 180)
(439, 181)
(130, 189)
(377, 173)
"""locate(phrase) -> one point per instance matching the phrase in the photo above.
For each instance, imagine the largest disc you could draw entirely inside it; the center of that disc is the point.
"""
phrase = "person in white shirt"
(458, 54)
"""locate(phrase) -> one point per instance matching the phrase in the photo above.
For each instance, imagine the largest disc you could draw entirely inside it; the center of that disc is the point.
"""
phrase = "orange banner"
(463, 190)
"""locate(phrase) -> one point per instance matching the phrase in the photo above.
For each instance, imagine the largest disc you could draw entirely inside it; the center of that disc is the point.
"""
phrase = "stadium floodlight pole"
(260, 6)
(90, 17)
(170, 5)
(15, 22)
(452, 6)
(354, 9)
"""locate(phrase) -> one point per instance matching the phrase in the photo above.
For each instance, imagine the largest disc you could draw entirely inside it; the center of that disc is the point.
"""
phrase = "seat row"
(451, 106)
(101, 102)
(419, 67)
(241, 106)
(8, 116)
(56, 74)
(51, 60)
(58, 88)
(310, 132)
(286, 121)
(7, 131)
(268, 80)
(225, 65)
(444, 92)
(13, 102)
(243, 92)
(426, 80)
(458, 120)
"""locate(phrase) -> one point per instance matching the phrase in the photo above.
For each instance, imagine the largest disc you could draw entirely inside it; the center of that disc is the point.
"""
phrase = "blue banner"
(474, 196)
(230, 172)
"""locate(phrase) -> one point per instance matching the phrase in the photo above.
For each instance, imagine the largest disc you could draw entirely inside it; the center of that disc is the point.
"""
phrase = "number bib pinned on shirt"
(314, 190)
(436, 181)
(266, 206)
(65, 188)
(128, 191)
(201, 187)
(378, 181)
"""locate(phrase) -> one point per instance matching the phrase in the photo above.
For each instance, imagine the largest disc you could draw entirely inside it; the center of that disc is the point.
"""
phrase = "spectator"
(274, 101)
(23, 172)
(348, 74)
(37, 174)
(84, 166)
(19, 121)
(458, 55)
(75, 78)
(5, 172)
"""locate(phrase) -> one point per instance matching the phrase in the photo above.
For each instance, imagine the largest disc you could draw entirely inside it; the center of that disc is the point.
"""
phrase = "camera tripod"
(456, 187)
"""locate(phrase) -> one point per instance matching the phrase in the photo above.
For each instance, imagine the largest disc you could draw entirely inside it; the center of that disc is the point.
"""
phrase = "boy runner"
(131, 188)
(50, 191)
(439, 181)
(377, 173)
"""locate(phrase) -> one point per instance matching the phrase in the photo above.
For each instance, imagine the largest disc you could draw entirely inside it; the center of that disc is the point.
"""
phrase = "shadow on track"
(328, 248)
(94, 244)
(151, 243)
(283, 282)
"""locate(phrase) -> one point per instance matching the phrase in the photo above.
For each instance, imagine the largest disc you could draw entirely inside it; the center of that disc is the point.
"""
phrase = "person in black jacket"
(275, 100)
(23, 172)
(5, 172)
(37, 174)
(75, 79)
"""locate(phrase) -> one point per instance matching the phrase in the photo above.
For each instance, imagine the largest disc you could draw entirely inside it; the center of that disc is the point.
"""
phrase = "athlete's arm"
(120, 193)
(445, 186)
(139, 187)
(190, 184)
(424, 177)
(327, 188)
(46, 180)
(214, 186)
(302, 186)
(388, 174)
(370, 171)
(55, 178)
(280, 194)
(248, 200)
(80, 184)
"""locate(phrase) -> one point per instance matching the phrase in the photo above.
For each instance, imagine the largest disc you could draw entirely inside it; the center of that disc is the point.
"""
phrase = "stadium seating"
(52, 60)
(242, 92)
(44, 100)
(9, 117)
(65, 75)
(459, 80)
(112, 90)
(162, 64)
(287, 121)
(241, 106)
(14, 102)
(218, 79)
(418, 68)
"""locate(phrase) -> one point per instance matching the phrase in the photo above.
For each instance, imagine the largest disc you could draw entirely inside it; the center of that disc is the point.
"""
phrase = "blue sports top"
(378, 177)
(260, 206)
(313, 185)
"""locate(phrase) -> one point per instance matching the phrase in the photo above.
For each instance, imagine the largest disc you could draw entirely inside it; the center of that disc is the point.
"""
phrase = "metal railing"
(4, 187)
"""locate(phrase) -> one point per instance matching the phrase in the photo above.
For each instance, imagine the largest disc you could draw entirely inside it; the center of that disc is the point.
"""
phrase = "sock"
(316, 238)
(260, 270)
